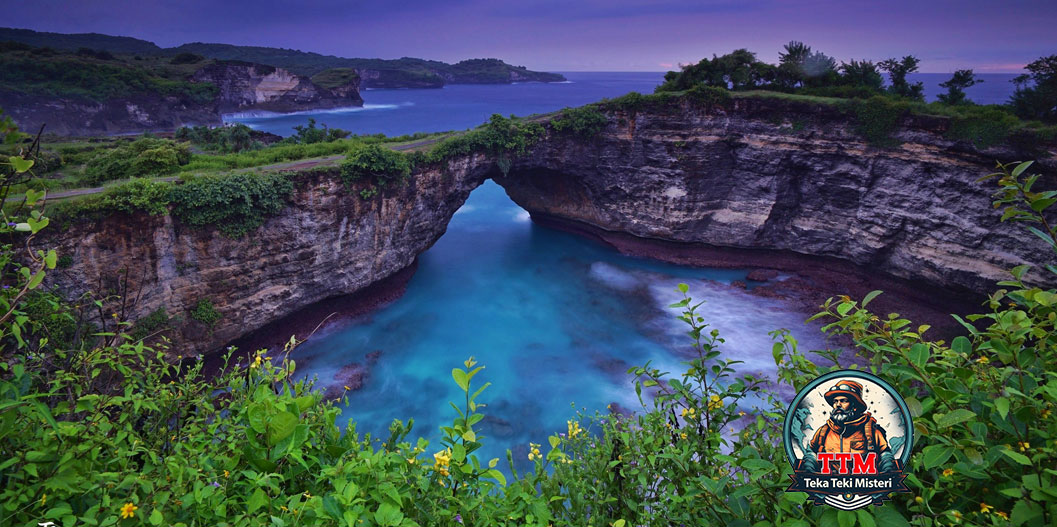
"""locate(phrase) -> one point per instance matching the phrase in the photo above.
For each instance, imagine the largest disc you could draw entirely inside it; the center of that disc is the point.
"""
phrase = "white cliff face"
(256, 87)
(275, 85)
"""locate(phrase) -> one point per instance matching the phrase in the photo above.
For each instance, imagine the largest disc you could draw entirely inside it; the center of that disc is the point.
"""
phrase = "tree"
(798, 65)
(737, 70)
(1036, 93)
(898, 70)
(956, 87)
(861, 73)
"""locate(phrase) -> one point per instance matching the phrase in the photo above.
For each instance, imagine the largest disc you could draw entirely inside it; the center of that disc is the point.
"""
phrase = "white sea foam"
(521, 215)
(465, 208)
(264, 114)
(614, 277)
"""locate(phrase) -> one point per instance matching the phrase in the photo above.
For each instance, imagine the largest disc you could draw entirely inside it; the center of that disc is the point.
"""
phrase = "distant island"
(406, 72)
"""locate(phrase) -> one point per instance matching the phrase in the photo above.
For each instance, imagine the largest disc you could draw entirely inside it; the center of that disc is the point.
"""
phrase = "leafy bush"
(235, 204)
(309, 134)
(222, 139)
(143, 157)
(877, 117)
(983, 126)
(377, 164)
(500, 137)
(206, 313)
(585, 121)
(186, 58)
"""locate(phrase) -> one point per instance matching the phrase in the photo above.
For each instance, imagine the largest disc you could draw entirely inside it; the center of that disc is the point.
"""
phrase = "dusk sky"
(591, 35)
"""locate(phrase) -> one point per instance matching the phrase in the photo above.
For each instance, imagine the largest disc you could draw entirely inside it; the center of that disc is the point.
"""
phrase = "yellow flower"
(983, 360)
(715, 402)
(947, 472)
(411, 460)
(43, 499)
(1002, 515)
(441, 461)
(574, 429)
(1024, 445)
(307, 495)
(918, 500)
(283, 508)
(683, 435)
(347, 388)
(957, 515)
(985, 507)
(227, 474)
(1045, 414)
(534, 451)
(741, 414)
(470, 362)
(128, 510)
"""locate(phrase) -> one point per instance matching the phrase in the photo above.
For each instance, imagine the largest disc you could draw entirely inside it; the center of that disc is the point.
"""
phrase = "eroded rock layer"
(766, 174)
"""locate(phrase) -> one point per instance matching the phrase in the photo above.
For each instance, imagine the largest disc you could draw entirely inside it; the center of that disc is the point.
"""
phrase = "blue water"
(995, 89)
(556, 319)
(461, 106)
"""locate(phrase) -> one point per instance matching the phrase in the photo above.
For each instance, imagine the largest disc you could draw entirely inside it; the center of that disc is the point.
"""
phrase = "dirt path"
(300, 164)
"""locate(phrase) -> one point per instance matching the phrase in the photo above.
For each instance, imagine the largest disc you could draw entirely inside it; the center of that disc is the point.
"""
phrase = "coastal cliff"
(753, 183)
(766, 174)
(245, 86)
(103, 94)
(329, 242)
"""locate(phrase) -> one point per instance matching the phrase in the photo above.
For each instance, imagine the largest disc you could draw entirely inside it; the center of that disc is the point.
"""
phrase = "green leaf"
(156, 517)
(388, 515)
(461, 378)
(1002, 405)
(469, 435)
(870, 296)
(496, 475)
(258, 417)
(50, 259)
(619, 523)
(866, 518)
(36, 280)
(1024, 512)
(957, 416)
(330, 505)
(1021, 168)
(845, 518)
(21, 165)
(961, 344)
(888, 516)
(936, 455)
(257, 500)
(683, 288)
(280, 427)
(1016, 456)
(754, 464)
(919, 354)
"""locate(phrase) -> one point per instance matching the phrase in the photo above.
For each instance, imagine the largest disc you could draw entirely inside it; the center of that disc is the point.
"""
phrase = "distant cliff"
(406, 72)
(92, 93)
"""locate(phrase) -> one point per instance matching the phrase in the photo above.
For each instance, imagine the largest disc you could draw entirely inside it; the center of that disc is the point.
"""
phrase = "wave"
(265, 114)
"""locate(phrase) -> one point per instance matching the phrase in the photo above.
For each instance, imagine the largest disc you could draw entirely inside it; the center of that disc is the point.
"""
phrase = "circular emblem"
(848, 435)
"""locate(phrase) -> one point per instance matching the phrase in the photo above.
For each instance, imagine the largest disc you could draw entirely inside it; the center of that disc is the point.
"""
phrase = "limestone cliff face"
(768, 174)
(242, 87)
(246, 86)
(328, 243)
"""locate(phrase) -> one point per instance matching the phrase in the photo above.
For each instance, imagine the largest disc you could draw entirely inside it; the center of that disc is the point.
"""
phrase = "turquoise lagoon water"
(555, 319)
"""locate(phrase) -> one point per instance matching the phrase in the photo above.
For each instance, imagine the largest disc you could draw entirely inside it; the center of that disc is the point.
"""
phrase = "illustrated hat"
(850, 389)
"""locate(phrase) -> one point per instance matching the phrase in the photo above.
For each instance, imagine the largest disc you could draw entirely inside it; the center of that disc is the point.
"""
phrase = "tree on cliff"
(1036, 93)
(861, 74)
(798, 65)
(898, 70)
(738, 70)
(956, 87)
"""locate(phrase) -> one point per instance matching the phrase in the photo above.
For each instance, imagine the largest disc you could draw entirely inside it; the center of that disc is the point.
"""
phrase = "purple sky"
(584, 35)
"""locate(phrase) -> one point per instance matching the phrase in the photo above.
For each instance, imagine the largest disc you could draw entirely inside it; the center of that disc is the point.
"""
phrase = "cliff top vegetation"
(403, 72)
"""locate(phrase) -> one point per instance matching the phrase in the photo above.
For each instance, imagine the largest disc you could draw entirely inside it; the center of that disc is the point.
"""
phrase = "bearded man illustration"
(850, 429)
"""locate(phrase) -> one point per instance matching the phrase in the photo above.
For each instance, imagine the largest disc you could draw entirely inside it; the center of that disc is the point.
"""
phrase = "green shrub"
(206, 313)
(222, 139)
(377, 164)
(499, 137)
(877, 117)
(584, 121)
(235, 204)
(983, 126)
(140, 158)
